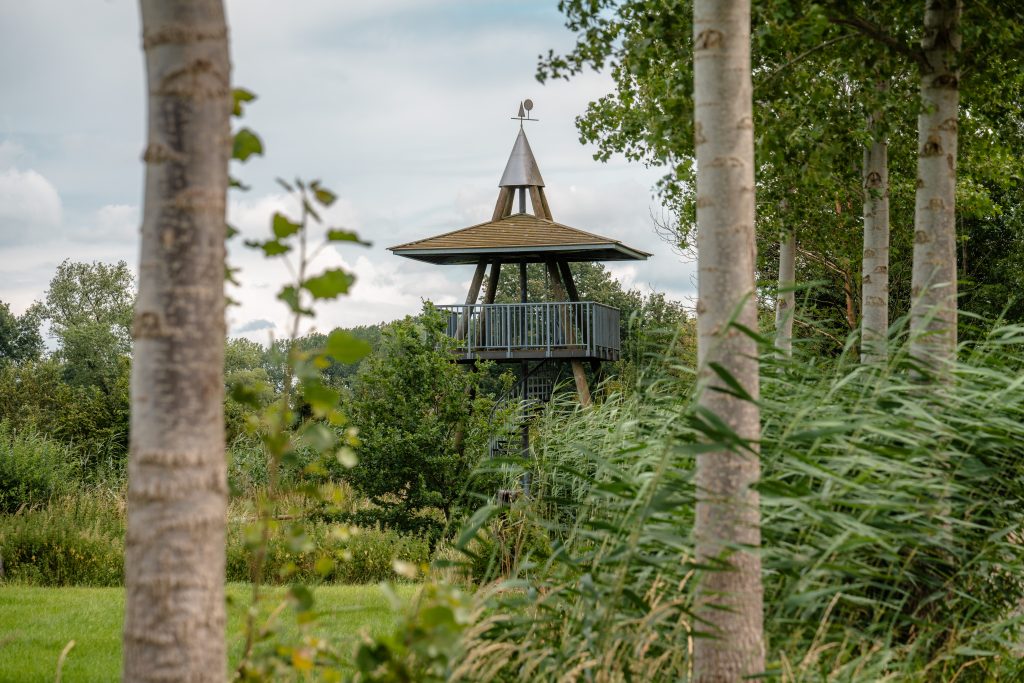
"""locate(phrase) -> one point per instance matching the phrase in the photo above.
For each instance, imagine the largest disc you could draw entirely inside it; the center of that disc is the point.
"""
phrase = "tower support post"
(503, 206)
(578, 373)
(471, 297)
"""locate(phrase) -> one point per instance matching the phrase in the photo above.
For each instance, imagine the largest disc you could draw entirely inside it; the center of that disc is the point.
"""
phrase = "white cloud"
(115, 222)
(29, 206)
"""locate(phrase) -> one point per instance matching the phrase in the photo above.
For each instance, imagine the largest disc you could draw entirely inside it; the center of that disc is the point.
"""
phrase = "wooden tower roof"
(518, 237)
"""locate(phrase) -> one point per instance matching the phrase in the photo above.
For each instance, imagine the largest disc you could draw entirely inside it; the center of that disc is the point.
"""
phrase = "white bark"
(729, 602)
(177, 480)
(785, 302)
(875, 264)
(934, 289)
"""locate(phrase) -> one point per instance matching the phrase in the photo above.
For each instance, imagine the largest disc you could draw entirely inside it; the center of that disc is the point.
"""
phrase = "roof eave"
(627, 253)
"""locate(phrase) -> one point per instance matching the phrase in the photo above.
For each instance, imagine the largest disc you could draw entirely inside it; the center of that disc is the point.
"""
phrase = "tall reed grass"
(892, 513)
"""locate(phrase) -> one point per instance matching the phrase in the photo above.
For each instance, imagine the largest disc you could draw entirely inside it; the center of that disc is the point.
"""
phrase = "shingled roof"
(519, 237)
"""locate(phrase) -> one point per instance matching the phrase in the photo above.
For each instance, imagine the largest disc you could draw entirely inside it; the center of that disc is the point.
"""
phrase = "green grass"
(36, 624)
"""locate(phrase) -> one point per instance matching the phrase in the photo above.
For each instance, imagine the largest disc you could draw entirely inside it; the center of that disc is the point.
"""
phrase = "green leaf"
(290, 296)
(342, 235)
(347, 457)
(248, 393)
(283, 227)
(230, 231)
(246, 144)
(235, 182)
(319, 437)
(302, 596)
(323, 566)
(310, 210)
(270, 247)
(320, 398)
(330, 284)
(322, 194)
(238, 96)
(345, 347)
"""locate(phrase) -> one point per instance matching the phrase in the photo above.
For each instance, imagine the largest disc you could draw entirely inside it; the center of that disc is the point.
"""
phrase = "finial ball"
(528, 105)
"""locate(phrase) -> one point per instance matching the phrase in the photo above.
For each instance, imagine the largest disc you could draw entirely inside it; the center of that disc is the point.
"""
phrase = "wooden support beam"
(471, 297)
(492, 289)
(504, 204)
(558, 294)
(578, 373)
(570, 284)
(492, 282)
(508, 203)
(544, 203)
(538, 205)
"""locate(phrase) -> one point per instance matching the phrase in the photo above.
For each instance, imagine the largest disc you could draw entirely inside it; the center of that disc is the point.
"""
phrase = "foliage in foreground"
(891, 518)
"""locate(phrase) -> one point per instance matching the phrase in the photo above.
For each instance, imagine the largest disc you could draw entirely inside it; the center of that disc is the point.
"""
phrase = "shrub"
(369, 555)
(74, 541)
(90, 419)
(79, 540)
(33, 468)
(359, 555)
(422, 433)
(247, 465)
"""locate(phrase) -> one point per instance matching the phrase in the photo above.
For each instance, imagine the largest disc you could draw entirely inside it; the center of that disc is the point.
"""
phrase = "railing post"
(594, 318)
(547, 332)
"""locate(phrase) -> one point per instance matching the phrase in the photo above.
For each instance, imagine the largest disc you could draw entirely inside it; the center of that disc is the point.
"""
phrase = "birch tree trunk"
(785, 303)
(874, 334)
(177, 480)
(727, 526)
(934, 290)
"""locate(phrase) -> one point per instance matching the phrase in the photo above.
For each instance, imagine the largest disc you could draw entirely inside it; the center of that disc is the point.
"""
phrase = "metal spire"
(521, 169)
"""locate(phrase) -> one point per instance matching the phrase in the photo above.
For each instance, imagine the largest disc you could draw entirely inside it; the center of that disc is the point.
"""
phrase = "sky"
(402, 107)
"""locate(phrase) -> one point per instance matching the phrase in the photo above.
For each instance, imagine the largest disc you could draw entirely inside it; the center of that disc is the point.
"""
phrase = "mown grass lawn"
(36, 624)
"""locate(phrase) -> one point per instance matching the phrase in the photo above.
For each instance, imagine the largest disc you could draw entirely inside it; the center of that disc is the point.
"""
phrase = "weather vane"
(525, 107)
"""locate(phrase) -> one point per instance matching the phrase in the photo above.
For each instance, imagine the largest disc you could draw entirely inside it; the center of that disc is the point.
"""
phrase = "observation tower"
(533, 334)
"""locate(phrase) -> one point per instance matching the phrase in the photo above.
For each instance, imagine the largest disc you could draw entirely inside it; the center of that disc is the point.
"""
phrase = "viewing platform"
(577, 330)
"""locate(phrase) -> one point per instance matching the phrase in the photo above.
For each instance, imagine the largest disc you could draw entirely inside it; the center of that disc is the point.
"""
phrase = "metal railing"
(582, 328)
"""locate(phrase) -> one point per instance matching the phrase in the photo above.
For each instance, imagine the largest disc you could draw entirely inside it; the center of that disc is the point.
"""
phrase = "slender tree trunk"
(727, 526)
(851, 306)
(177, 479)
(934, 290)
(874, 335)
(785, 303)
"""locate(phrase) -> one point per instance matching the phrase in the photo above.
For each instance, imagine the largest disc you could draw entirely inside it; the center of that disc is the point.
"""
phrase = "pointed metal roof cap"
(521, 169)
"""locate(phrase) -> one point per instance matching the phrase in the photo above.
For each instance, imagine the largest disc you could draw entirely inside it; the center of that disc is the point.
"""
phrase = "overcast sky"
(401, 106)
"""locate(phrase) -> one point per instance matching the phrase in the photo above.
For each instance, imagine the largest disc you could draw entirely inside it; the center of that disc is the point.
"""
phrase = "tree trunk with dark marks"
(875, 264)
(177, 479)
(727, 526)
(933, 311)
